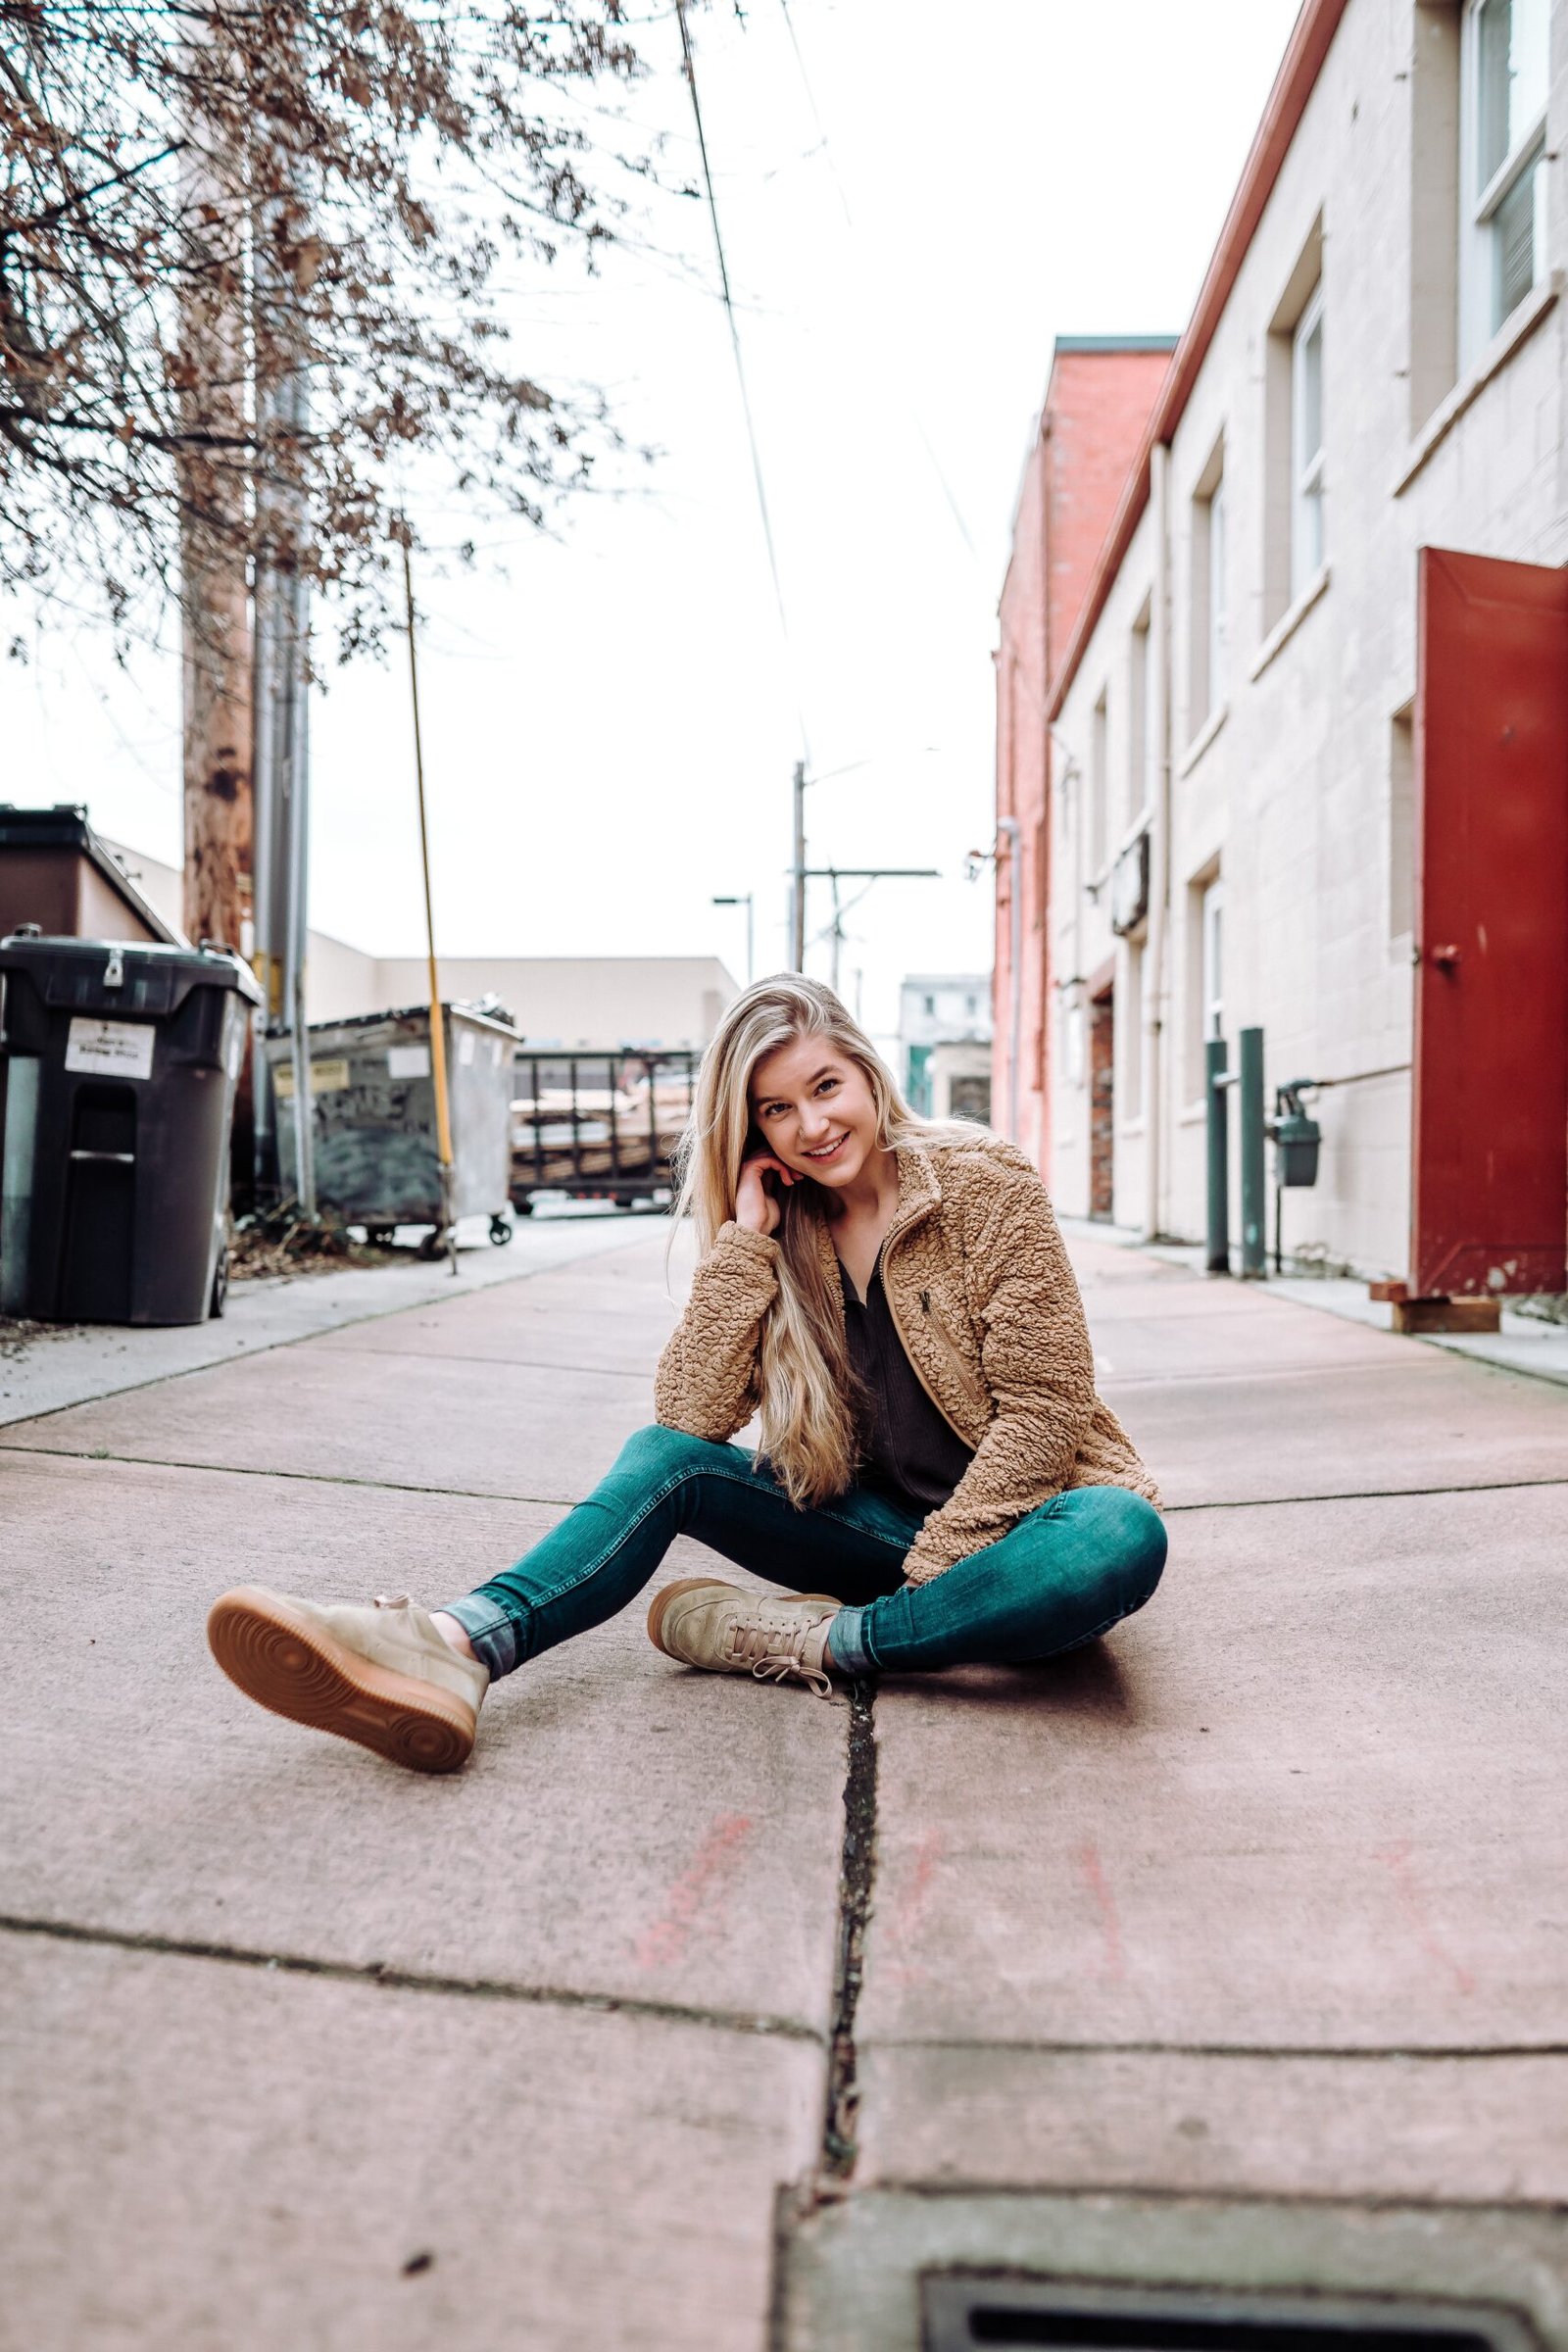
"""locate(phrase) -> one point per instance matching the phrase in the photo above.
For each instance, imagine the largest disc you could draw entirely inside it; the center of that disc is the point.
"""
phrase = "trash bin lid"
(151, 978)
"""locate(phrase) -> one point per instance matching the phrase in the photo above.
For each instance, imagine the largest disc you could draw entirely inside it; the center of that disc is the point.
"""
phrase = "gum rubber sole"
(295, 1668)
(702, 1584)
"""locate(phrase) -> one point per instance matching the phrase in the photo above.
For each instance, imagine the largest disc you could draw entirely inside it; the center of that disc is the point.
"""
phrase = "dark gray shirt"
(913, 1455)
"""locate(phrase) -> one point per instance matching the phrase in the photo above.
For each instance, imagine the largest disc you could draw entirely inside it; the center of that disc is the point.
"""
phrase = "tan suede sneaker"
(381, 1675)
(775, 1636)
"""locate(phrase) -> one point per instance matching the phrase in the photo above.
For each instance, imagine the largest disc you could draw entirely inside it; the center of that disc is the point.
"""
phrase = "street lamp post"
(743, 898)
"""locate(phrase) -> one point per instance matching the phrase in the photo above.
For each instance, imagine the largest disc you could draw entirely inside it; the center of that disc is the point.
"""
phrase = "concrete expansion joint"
(1280, 1502)
(271, 1470)
(513, 1363)
(1326, 2053)
(857, 1873)
(383, 1975)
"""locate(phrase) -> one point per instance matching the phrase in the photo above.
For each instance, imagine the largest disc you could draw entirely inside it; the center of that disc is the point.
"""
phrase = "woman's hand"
(756, 1208)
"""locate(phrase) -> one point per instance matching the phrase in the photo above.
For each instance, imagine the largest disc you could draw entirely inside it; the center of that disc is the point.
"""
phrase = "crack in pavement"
(856, 1873)
(406, 1980)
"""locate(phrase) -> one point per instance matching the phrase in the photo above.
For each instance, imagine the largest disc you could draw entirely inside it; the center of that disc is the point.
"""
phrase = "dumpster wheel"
(434, 1243)
(500, 1231)
(219, 1297)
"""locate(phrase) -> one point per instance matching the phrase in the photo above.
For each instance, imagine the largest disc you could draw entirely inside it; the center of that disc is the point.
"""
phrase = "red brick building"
(1099, 398)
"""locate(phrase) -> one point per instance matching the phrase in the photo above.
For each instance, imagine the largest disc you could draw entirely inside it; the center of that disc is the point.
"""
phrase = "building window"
(1503, 144)
(1306, 445)
(1211, 596)
(1139, 796)
(1213, 963)
(1097, 786)
(1130, 1037)
(1293, 536)
(1218, 681)
(928, 1005)
(1204, 972)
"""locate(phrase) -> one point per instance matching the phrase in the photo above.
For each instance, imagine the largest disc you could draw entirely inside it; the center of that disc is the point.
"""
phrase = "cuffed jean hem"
(845, 1646)
(493, 1634)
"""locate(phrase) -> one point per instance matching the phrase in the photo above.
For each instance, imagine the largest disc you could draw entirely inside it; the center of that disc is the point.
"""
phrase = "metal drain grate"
(960, 2313)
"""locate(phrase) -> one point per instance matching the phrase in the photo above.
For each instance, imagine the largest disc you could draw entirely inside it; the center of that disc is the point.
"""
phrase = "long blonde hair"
(811, 1409)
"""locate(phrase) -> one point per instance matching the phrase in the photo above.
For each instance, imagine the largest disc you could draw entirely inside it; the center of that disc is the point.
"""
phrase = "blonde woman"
(936, 1482)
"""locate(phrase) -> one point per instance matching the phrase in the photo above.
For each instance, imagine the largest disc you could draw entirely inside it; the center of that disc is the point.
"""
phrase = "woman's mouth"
(826, 1150)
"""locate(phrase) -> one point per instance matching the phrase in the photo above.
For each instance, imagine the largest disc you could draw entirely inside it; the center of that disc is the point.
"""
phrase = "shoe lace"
(775, 1647)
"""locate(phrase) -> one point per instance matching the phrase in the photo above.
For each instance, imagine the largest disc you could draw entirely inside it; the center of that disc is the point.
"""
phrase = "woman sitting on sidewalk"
(893, 1301)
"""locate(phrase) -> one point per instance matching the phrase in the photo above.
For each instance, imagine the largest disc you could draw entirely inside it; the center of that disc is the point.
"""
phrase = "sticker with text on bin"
(408, 1062)
(330, 1076)
(110, 1049)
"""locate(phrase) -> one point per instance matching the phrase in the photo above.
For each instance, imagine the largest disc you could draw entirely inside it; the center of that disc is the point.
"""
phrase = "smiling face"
(814, 1110)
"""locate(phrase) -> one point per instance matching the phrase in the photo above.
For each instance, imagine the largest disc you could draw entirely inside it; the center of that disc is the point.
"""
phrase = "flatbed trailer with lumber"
(598, 1126)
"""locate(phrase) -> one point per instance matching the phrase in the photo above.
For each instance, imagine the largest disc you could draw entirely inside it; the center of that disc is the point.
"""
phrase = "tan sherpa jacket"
(986, 1307)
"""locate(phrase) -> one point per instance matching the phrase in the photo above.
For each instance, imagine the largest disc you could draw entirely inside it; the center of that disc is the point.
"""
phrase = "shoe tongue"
(384, 1600)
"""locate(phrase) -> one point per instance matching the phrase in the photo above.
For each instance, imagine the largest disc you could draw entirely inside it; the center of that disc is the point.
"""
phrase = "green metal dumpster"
(372, 1124)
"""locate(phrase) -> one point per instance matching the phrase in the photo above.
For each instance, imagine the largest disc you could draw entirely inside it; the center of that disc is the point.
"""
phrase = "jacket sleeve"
(707, 1380)
(1040, 1370)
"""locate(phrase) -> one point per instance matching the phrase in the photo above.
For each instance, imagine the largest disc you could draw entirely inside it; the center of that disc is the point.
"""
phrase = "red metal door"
(1489, 1141)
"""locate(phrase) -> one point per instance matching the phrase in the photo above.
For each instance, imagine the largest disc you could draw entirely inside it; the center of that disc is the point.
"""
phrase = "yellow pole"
(438, 1042)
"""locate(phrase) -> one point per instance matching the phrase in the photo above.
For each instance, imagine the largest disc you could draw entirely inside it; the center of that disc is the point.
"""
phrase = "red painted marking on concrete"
(694, 1892)
(1395, 1859)
(907, 1915)
(1099, 1885)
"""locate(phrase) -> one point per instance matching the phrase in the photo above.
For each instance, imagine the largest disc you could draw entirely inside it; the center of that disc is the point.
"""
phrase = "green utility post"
(1219, 1199)
(1254, 1181)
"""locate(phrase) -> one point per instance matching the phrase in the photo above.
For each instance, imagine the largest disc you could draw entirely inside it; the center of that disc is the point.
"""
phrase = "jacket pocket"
(961, 1364)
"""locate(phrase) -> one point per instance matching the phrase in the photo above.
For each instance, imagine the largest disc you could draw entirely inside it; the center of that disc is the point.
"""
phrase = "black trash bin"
(117, 1068)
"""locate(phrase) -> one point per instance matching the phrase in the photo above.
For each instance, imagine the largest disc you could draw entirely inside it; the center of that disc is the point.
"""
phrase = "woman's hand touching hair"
(756, 1207)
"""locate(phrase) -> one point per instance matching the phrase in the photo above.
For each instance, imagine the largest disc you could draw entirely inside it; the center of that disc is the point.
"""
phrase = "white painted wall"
(1287, 784)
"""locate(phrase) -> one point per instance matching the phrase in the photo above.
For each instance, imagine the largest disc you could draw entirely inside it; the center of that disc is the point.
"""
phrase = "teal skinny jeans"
(1067, 1571)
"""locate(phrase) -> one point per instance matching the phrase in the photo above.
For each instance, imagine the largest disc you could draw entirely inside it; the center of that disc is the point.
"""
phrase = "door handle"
(1448, 958)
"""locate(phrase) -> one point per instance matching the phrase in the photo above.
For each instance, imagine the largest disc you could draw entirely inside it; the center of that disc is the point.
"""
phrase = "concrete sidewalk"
(695, 2014)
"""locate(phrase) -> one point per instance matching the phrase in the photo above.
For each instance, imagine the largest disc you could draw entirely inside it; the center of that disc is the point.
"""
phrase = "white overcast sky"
(611, 726)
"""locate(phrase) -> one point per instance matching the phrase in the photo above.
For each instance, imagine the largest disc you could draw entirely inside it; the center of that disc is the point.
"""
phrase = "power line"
(740, 372)
(823, 141)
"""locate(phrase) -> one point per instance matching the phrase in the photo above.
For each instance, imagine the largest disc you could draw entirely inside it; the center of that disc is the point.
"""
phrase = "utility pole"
(217, 675)
(282, 741)
(798, 891)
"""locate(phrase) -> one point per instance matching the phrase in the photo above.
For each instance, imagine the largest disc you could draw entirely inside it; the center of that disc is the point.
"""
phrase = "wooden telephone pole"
(215, 598)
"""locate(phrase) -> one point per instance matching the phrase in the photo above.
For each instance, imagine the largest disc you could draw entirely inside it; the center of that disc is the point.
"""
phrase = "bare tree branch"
(366, 172)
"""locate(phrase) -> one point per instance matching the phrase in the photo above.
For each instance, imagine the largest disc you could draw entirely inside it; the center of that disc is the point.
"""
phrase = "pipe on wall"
(1013, 831)
(1157, 952)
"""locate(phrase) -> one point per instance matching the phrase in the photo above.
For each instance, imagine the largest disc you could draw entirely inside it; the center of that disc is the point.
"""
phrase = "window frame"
(1098, 845)
(1307, 466)
(1212, 950)
(1216, 619)
(1481, 311)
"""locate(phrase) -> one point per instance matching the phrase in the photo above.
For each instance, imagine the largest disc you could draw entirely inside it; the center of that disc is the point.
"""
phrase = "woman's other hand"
(757, 1207)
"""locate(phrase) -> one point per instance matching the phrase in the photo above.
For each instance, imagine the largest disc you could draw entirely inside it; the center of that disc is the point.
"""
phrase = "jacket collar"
(919, 1193)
